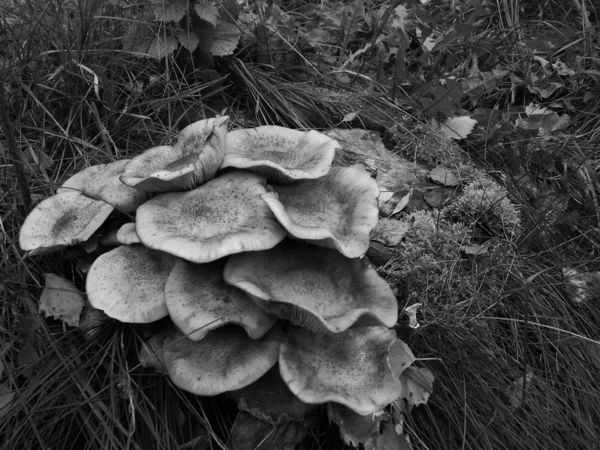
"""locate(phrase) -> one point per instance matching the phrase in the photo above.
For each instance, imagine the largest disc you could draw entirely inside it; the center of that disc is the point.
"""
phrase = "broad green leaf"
(226, 39)
(458, 127)
(188, 40)
(170, 12)
(207, 11)
(161, 46)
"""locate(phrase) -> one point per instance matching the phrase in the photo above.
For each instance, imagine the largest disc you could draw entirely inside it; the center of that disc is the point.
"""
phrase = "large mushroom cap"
(193, 161)
(128, 283)
(280, 154)
(314, 287)
(350, 368)
(62, 220)
(226, 359)
(222, 217)
(102, 182)
(338, 210)
(198, 301)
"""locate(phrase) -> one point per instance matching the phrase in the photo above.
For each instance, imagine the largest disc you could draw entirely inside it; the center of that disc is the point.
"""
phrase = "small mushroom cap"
(128, 283)
(314, 287)
(62, 220)
(127, 235)
(193, 161)
(222, 217)
(102, 182)
(280, 154)
(338, 210)
(226, 359)
(198, 301)
(350, 368)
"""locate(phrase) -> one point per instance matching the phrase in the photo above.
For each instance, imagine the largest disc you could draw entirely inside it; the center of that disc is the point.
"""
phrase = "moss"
(485, 205)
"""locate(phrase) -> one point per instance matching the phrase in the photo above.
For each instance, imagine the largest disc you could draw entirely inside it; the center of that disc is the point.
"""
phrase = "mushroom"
(226, 359)
(350, 368)
(62, 220)
(222, 217)
(198, 301)
(192, 161)
(314, 287)
(127, 235)
(280, 154)
(338, 210)
(101, 182)
(128, 283)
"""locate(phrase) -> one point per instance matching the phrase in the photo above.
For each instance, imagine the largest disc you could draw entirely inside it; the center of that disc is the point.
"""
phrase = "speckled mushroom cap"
(222, 217)
(280, 154)
(101, 182)
(191, 162)
(338, 210)
(127, 235)
(62, 220)
(350, 368)
(314, 287)
(198, 301)
(128, 283)
(226, 359)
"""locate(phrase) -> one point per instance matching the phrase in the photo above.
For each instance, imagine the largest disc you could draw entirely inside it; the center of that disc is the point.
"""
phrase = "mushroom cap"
(193, 161)
(62, 220)
(127, 235)
(338, 210)
(128, 283)
(226, 359)
(222, 217)
(198, 301)
(350, 368)
(280, 154)
(101, 182)
(314, 287)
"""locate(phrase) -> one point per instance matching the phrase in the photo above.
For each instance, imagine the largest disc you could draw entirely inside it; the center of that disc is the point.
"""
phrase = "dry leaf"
(417, 385)
(385, 196)
(61, 300)
(475, 249)
(458, 127)
(411, 312)
(443, 176)
(350, 116)
(390, 231)
(402, 204)
(515, 389)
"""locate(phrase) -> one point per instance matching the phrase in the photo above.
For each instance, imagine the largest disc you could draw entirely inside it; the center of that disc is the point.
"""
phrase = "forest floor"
(500, 269)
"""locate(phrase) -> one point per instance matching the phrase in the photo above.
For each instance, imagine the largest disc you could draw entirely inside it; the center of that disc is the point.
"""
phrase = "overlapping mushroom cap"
(280, 154)
(314, 287)
(193, 160)
(338, 210)
(101, 182)
(62, 220)
(222, 217)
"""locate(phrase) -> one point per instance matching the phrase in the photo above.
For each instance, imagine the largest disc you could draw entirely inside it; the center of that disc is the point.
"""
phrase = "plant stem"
(13, 151)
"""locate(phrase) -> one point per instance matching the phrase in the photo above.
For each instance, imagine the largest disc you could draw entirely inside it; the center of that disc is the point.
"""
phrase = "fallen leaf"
(61, 300)
(581, 286)
(350, 116)
(411, 312)
(417, 385)
(458, 127)
(384, 196)
(6, 399)
(435, 199)
(390, 231)
(354, 428)
(562, 69)
(400, 357)
(475, 249)
(443, 176)
(402, 204)
(515, 389)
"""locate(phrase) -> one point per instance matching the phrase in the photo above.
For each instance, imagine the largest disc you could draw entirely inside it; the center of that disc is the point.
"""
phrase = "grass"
(487, 323)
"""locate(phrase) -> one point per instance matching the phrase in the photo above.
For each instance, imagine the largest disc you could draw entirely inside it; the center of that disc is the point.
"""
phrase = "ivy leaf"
(207, 11)
(226, 39)
(61, 300)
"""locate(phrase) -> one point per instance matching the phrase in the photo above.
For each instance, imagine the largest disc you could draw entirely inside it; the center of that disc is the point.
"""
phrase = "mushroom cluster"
(252, 243)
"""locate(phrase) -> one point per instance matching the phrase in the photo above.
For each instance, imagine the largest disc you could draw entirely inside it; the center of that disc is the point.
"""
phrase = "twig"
(17, 161)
